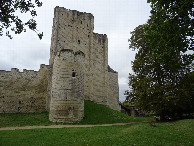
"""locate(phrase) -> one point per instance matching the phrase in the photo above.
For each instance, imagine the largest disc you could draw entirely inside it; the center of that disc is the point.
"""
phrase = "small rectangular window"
(73, 74)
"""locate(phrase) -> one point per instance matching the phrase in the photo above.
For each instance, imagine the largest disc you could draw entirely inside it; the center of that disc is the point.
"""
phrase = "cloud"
(24, 55)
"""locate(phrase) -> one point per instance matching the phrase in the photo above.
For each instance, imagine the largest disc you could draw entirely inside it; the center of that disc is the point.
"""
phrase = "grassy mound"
(94, 114)
(100, 114)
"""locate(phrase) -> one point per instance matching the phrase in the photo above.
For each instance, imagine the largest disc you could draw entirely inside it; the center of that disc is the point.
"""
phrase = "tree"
(146, 82)
(9, 20)
(170, 32)
(156, 87)
(169, 36)
(162, 80)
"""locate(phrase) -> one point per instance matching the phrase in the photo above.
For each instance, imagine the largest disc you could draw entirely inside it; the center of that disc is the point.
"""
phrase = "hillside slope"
(101, 114)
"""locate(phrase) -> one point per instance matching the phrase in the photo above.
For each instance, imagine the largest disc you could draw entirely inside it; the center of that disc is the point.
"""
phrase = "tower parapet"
(70, 30)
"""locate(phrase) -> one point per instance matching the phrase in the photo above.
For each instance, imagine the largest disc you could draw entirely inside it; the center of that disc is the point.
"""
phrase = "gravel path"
(66, 126)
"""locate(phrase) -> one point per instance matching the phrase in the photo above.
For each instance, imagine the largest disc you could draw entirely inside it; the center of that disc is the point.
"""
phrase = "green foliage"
(94, 114)
(162, 65)
(127, 104)
(172, 133)
(8, 16)
(170, 33)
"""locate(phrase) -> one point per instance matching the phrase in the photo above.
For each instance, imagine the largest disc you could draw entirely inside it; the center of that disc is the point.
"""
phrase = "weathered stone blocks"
(24, 92)
(67, 87)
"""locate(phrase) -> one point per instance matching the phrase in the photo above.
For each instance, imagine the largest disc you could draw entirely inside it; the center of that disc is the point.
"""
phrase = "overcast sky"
(116, 18)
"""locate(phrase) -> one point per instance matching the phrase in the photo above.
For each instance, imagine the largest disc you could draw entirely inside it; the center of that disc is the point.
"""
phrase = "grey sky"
(116, 18)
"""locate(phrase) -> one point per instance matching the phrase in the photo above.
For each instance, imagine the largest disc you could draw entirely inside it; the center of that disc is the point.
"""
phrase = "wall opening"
(78, 41)
(73, 74)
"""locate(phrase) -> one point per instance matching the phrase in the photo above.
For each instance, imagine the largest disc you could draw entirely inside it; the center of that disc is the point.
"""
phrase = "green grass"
(100, 114)
(179, 133)
(94, 114)
(18, 119)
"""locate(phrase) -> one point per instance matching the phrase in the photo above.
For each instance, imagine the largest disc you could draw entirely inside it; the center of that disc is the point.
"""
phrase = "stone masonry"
(24, 92)
(78, 69)
(67, 87)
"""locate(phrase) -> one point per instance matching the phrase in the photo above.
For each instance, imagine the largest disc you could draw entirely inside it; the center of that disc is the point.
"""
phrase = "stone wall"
(24, 92)
(99, 70)
(113, 91)
(67, 87)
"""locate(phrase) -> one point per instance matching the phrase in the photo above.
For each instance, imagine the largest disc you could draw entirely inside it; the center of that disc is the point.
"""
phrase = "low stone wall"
(24, 92)
(113, 91)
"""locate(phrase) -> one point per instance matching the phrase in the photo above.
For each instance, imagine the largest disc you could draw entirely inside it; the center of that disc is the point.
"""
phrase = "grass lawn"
(94, 114)
(179, 133)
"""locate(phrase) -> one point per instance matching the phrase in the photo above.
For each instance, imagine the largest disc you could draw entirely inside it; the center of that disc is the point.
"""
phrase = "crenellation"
(14, 70)
(28, 88)
(42, 66)
(101, 38)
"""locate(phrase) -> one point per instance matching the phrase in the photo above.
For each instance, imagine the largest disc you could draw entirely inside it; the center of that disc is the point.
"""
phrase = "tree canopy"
(162, 78)
(170, 32)
(10, 21)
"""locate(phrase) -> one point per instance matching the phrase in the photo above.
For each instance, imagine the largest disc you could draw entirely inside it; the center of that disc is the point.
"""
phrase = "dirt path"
(66, 126)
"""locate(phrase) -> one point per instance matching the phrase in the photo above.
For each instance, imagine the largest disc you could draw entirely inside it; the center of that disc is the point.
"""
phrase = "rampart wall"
(24, 92)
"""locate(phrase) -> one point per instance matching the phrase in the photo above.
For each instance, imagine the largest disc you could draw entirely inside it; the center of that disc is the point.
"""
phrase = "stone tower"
(67, 87)
(74, 30)
(73, 39)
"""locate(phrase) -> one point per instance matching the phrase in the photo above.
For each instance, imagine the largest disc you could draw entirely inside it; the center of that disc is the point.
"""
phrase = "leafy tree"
(9, 20)
(169, 36)
(162, 81)
(146, 86)
(154, 86)
(170, 33)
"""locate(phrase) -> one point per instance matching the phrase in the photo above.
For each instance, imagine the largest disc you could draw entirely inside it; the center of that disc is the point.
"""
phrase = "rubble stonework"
(78, 69)
(24, 92)
(67, 87)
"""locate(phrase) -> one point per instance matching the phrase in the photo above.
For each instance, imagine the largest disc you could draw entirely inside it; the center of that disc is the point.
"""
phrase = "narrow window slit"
(73, 74)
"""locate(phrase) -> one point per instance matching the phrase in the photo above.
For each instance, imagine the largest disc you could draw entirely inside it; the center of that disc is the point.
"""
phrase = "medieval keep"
(78, 70)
